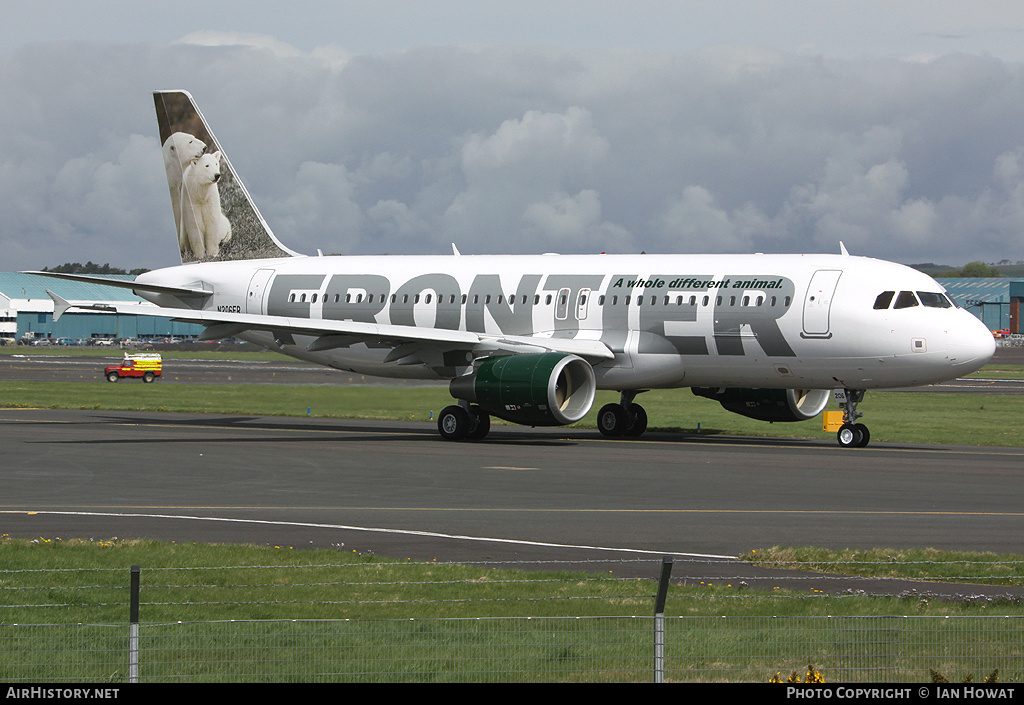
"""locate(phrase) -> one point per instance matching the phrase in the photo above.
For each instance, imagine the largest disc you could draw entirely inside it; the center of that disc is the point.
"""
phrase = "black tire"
(113, 377)
(480, 424)
(612, 420)
(639, 421)
(850, 436)
(453, 423)
(148, 377)
(865, 435)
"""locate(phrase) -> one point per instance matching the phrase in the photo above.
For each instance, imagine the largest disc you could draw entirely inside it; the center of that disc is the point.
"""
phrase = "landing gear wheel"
(639, 420)
(850, 435)
(453, 423)
(865, 435)
(480, 424)
(612, 420)
(113, 377)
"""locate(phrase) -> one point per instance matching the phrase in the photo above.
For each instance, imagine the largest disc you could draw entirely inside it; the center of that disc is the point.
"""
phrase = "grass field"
(958, 419)
(53, 580)
(274, 614)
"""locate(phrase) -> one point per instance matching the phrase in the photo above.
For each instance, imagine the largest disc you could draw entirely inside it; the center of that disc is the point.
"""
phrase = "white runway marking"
(406, 532)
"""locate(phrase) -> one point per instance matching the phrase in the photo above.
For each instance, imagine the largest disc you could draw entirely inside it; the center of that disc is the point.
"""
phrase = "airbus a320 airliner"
(530, 339)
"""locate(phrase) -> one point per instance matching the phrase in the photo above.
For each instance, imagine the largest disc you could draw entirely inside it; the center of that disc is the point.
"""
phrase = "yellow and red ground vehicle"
(148, 366)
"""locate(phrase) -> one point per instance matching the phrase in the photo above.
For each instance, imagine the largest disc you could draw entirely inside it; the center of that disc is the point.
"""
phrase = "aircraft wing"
(407, 341)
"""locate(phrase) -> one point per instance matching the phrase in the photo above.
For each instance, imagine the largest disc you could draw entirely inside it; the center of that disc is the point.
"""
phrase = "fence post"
(133, 627)
(659, 620)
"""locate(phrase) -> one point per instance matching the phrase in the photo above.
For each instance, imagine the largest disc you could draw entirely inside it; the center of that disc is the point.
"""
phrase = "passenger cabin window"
(906, 299)
(884, 299)
(933, 300)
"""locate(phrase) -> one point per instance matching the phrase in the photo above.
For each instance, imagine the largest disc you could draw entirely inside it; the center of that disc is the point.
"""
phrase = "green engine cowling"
(537, 389)
(769, 404)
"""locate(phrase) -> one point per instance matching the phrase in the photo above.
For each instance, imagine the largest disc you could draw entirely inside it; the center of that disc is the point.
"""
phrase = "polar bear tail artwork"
(214, 216)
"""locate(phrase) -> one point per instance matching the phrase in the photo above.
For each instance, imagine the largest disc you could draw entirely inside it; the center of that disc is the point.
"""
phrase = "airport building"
(996, 301)
(26, 312)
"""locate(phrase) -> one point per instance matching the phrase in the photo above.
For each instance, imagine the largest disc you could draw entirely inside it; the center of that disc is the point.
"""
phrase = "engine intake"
(538, 389)
(769, 404)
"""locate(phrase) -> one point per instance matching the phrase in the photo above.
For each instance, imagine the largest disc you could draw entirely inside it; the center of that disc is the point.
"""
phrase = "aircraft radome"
(531, 338)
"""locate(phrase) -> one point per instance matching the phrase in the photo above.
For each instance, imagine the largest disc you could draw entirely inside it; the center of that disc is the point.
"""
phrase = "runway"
(557, 497)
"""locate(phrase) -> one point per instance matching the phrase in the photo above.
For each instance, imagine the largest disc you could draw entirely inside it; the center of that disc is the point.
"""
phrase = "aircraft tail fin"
(214, 216)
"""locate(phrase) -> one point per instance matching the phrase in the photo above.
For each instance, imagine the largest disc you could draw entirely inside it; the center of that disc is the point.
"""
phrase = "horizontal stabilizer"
(59, 305)
(179, 291)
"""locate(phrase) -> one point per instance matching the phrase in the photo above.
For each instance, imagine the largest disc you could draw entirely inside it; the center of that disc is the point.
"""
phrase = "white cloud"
(559, 143)
(321, 211)
(330, 55)
(574, 221)
(516, 150)
(517, 183)
(693, 222)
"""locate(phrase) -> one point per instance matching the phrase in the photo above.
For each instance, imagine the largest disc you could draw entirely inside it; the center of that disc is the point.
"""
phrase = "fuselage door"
(582, 300)
(258, 286)
(818, 303)
(562, 305)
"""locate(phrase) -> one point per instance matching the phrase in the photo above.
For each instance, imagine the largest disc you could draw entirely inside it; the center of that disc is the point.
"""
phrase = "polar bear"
(204, 227)
(180, 150)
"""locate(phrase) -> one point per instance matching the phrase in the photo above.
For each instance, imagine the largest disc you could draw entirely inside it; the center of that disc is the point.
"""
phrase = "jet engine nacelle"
(770, 404)
(537, 389)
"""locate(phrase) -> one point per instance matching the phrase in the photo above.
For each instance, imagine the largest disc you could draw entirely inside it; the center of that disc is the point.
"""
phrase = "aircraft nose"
(970, 345)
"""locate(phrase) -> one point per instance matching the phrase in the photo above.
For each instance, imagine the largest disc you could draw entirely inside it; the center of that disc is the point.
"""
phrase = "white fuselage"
(773, 321)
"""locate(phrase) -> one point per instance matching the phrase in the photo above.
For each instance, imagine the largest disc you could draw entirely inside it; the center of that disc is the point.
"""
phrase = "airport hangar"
(996, 301)
(26, 311)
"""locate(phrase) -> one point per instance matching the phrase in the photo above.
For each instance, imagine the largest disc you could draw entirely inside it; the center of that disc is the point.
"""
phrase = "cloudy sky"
(401, 126)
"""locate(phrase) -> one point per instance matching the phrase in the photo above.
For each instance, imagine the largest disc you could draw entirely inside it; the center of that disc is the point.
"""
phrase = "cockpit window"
(933, 300)
(884, 299)
(906, 299)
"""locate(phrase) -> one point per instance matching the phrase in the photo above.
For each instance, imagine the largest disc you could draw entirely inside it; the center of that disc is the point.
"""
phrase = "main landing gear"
(624, 418)
(456, 423)
(852, 434)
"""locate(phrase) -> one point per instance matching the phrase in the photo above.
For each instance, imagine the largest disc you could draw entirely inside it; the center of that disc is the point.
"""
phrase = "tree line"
(90, 268)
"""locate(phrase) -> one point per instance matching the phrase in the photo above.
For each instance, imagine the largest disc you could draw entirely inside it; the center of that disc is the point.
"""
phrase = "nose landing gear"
(852, 434)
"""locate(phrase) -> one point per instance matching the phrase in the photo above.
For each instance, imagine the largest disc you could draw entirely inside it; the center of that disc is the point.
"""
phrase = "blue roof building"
(26, 311)
(993, 300)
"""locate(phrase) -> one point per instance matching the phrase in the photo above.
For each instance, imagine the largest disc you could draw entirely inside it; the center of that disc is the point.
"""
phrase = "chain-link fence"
(565, 649)
(65, 645)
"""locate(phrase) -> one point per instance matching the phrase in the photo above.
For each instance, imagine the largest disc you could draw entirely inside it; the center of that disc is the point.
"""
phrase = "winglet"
(455, 250)
(842, 249)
